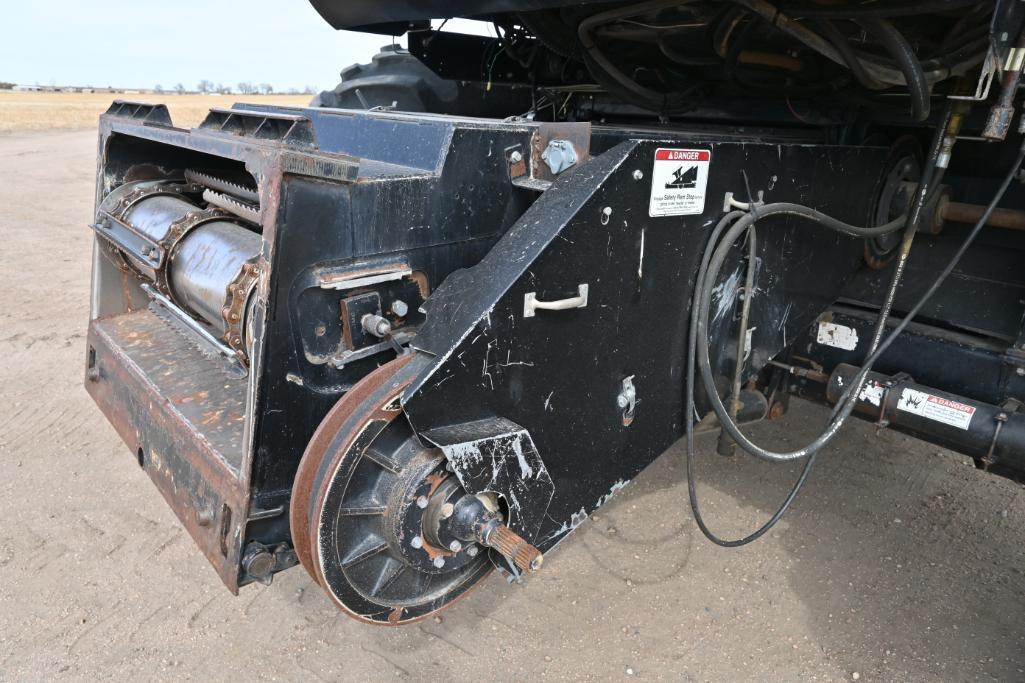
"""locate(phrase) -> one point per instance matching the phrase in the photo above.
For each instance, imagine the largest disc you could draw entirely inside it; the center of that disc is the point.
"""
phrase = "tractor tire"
(397, 80)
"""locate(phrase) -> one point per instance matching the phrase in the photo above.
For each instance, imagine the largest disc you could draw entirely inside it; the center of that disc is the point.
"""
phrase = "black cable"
(904, 55)
(844, 406)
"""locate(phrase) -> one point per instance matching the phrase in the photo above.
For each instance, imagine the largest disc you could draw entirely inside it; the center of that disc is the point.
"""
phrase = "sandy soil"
(899, 561)
(48, 111)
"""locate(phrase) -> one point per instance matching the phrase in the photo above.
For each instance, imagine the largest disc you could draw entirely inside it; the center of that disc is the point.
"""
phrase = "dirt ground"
(898, 562)
(21, 111)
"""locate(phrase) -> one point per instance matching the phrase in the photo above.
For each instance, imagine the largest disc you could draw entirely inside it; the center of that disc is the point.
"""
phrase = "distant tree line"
(242, 88)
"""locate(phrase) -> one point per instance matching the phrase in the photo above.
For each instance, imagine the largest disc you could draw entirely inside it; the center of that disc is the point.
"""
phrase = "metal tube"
(991, 434)
(958, 212)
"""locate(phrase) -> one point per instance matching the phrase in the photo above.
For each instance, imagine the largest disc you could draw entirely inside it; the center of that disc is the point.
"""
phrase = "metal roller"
(206, 264)
(203, 260)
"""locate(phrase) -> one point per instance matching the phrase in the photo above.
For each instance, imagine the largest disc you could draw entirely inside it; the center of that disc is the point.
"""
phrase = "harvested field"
(49, 111)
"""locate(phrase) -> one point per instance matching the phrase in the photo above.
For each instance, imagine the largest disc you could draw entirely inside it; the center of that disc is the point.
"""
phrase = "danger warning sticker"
(679, 179)
(936, 408)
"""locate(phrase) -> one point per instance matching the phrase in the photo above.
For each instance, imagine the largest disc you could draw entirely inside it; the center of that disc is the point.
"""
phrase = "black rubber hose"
(689, 408)
(610, 77)
(703, 300)
(829, 30)
(846, 402)
(879, 10)
(904, 55)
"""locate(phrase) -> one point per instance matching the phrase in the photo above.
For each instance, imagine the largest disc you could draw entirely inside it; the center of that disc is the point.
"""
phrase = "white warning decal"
(679, 179)
(873, 392)
(936, 408)
(837, 336)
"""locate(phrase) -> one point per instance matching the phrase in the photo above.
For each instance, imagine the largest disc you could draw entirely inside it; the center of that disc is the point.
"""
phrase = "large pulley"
(380, 522)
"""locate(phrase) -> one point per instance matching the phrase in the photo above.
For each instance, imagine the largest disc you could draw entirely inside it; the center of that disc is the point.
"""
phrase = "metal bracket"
(531, 302)
(990, 67)
(627, 400)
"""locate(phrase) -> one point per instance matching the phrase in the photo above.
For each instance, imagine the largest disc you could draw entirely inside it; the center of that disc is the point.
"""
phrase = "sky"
(144, 43)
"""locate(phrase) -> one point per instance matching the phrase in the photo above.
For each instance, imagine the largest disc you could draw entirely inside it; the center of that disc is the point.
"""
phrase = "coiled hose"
(697, 353)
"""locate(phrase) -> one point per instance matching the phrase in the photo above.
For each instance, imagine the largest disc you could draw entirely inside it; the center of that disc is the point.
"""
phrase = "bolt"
(1020, 372)
(638, 174)
(417, 542)
(455, 546)
(421, 502)
(622, 401)
(205, 517)
(399, 308)
(446, 510)
(516, 156)
(607, 212)
(439, 562)
(376, 325)
(473, 550)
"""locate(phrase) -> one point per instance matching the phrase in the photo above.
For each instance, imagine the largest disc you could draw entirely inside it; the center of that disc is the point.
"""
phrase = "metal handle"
(531, 303)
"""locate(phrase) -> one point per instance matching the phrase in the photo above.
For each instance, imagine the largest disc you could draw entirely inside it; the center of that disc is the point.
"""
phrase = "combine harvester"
(422, 329)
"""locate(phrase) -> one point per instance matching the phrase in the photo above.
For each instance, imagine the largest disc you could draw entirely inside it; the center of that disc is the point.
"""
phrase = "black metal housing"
(450, 229)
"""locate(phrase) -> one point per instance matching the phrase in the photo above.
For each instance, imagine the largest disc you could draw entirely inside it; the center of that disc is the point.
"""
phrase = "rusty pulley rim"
(353, 502)
(341, 415)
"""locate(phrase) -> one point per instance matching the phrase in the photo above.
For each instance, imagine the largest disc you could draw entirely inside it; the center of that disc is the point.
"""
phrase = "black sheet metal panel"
(346, 14)
(432, 196)
(558, 374)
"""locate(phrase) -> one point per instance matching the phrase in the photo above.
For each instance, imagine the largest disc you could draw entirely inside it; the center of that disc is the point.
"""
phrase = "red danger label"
(679, 178)
(682, 155)
(938, 408)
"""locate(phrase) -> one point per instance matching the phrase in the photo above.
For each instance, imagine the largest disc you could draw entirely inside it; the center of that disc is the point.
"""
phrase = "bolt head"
(516, 157)
(1020, 372)
(439, 562)
(260, 564)
(399, 308)
(622, 401)
(421, 502)
(455, 546)
(473, 550)
(446, 510)
(417, 542)
(638, 174)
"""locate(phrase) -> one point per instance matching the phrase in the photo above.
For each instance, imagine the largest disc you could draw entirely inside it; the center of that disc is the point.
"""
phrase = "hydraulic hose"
(850, 57)
(842, 410)
(880, 72)
(904, 55)
(703, 297)
(880, 10)
(612, 78)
